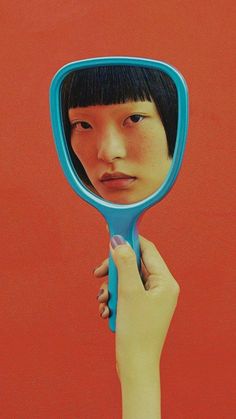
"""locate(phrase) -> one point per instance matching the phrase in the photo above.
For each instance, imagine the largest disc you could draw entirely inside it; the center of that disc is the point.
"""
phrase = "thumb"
(125, 260)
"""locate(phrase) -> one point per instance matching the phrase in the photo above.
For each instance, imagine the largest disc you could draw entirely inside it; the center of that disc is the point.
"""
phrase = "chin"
(124, 200)
(123, 197)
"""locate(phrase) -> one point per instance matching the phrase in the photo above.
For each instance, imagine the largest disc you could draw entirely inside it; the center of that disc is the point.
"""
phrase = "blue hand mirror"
(120, 127)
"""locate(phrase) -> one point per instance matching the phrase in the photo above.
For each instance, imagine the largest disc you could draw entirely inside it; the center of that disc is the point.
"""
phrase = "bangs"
(106, 85)
(114, 84)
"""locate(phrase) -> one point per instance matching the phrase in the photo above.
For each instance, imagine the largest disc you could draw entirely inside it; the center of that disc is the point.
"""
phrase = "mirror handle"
(133, 240)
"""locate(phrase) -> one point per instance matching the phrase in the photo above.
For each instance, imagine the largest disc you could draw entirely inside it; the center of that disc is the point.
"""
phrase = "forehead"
(143, 107)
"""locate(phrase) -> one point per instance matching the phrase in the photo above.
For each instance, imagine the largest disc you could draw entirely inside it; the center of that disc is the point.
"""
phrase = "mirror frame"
(60, 139)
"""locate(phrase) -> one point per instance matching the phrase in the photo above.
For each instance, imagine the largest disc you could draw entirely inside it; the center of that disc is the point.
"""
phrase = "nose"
(111, 145)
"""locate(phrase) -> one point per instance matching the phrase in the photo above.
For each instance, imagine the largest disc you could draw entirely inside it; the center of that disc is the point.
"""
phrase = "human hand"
(145, 307)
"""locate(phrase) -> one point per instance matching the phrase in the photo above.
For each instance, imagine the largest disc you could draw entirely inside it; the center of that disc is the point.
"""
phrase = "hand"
(144, 310)
(145, 306)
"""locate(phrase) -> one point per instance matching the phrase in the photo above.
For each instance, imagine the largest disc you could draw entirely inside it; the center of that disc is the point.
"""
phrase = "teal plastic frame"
(121, 219)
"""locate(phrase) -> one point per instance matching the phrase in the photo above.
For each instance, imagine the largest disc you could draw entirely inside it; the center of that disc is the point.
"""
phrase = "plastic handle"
(113, 293)
(113, 278)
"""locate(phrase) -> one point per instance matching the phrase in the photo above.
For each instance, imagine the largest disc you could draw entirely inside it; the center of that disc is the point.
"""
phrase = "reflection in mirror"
(120, 123)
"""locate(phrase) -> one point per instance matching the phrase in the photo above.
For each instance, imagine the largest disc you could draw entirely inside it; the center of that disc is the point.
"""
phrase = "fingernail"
(117, 240)
(100, 293)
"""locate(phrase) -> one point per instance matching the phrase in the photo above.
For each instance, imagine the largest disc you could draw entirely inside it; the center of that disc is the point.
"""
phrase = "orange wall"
(56, 354)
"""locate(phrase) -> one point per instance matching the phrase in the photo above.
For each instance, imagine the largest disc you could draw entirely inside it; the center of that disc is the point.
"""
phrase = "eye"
(81, 126)
(133, 119)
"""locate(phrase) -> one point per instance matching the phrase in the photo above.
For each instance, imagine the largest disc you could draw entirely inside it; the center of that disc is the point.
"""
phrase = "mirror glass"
(120, 123)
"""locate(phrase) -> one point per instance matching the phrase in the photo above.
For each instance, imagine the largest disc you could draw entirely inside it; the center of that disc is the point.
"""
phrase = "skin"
(125, 140)
(144, 312)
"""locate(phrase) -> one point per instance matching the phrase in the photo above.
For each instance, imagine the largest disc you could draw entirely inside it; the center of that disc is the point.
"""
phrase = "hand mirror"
(120, 127)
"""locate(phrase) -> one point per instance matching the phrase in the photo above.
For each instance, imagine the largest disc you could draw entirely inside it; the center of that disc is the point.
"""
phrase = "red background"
(56, 354)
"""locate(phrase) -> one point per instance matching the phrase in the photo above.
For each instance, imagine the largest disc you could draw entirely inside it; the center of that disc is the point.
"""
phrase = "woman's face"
(123, 149)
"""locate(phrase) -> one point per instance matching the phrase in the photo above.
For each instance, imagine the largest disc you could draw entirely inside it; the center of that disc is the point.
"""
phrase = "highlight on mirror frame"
(120, 123)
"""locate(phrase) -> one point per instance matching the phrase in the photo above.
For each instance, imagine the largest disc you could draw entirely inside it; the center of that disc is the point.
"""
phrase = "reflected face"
(123, 148)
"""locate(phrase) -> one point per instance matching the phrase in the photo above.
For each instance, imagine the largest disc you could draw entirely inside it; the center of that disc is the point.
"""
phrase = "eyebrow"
(132, 107)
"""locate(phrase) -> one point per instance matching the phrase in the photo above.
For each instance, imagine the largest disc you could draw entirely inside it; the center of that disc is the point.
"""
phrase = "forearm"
(141, 394)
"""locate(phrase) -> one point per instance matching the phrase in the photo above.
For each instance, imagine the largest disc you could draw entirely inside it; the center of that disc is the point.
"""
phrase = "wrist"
(140, 389)
(137, 369)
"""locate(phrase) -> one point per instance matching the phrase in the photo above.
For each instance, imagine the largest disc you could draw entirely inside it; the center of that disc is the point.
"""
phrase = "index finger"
(101, 270)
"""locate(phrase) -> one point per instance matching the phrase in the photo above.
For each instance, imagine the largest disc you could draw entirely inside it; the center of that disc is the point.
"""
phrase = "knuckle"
(175, 288)
(125, 254)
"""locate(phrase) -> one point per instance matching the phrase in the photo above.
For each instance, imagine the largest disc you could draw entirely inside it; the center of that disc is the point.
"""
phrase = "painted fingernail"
(101, 291)
(117, 240)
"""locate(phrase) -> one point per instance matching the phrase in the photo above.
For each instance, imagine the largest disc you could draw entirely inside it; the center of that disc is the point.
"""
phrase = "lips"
(117, 180)
(115, 175)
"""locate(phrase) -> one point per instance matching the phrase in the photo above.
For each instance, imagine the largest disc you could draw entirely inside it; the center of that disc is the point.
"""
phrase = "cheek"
(83, 152)
(151, 146)
(144, 149)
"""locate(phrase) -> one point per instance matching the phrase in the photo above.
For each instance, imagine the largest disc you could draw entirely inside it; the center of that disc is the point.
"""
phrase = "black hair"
(106, 85)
